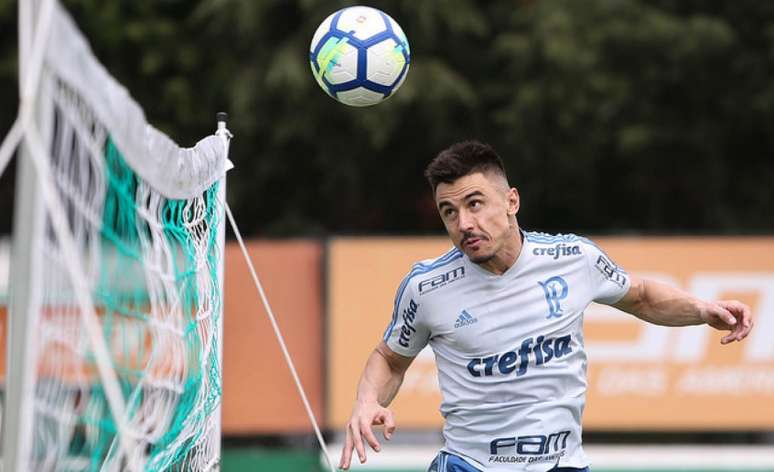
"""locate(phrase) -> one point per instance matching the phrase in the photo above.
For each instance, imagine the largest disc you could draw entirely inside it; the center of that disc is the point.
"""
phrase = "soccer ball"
(359, 56)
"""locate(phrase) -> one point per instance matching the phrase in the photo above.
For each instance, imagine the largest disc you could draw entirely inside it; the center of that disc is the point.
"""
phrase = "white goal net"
(116, 274)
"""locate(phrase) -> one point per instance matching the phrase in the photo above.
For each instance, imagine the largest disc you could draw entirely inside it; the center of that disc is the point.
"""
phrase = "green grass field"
(259, 459)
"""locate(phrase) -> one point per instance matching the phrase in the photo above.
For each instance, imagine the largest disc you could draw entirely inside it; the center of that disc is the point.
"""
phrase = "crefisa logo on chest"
(531, 352)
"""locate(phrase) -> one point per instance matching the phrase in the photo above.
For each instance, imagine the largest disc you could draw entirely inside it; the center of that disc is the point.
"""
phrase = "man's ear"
(514, 202)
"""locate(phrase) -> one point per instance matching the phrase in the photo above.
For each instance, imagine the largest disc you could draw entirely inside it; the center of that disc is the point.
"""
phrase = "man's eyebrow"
(475, 193)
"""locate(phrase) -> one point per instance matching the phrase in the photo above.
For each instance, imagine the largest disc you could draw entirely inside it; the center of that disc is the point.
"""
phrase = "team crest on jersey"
(465, 319)
(555, 290)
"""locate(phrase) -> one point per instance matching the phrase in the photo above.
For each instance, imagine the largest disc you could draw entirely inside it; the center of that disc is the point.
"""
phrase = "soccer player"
(503, 313)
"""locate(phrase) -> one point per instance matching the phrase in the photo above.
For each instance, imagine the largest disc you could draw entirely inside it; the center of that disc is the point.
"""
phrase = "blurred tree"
(612, 115)
(9, 102)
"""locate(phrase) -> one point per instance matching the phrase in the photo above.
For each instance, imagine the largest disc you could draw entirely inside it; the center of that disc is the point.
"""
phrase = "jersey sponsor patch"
(434, 283)
(557, 251)
(610, 271)
(529, 449)
(531, 352)
(409, 315)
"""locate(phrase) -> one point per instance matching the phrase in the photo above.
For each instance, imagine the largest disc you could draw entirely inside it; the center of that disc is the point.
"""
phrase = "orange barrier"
(641, 376)
(259, 396)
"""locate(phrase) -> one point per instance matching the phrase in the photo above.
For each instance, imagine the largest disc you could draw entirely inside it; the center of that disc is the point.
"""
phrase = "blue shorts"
(445, 462)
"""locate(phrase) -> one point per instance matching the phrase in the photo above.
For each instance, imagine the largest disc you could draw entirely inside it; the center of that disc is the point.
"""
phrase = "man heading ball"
(503, 313)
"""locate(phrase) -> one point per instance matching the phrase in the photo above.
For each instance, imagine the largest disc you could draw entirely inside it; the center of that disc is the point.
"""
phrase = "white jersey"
(509, 348)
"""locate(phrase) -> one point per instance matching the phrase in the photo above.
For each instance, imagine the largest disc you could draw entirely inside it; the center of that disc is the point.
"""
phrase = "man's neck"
(507, 256)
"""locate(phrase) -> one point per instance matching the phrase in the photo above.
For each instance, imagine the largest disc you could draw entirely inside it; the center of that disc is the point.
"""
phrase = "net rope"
(280, 340)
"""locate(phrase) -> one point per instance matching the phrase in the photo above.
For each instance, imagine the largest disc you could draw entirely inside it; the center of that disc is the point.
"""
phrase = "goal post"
(26, 262)
(114, 347)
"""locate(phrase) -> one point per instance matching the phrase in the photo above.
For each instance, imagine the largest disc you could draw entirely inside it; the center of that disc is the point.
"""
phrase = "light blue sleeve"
(407, 332)
(609, 282)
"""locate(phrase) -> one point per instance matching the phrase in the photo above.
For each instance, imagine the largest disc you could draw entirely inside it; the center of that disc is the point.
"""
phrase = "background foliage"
(612, 115)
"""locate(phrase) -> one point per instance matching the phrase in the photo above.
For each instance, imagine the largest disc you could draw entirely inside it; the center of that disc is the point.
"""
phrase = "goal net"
(116, 279)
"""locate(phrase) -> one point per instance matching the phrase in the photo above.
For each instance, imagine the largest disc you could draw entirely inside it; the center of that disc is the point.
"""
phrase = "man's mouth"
(471, 242)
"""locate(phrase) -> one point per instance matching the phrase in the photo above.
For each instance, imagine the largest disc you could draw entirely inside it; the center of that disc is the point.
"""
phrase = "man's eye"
(475, 204)
(448, 213)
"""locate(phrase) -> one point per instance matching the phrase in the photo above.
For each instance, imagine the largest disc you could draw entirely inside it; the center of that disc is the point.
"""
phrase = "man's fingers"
(360, 431)
(743, 320)
(719, 317)
(746, 316)
(744, 330)
(346, 453)
(389, 425)
(358, 440)
(369, 436)
(726, 316)
(737, 333)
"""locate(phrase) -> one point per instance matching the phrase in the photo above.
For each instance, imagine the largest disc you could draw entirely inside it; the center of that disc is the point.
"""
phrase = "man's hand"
(365, 415)
(728, 315)
(378, 385)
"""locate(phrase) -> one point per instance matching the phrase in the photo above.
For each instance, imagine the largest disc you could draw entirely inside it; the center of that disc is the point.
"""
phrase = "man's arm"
(667, 306)
(379, 383)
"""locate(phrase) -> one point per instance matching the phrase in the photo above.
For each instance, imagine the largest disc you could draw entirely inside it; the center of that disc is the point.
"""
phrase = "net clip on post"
(225, 135)
(222, 117)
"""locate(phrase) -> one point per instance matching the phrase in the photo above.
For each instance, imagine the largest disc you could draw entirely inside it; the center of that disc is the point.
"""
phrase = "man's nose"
(465, 221)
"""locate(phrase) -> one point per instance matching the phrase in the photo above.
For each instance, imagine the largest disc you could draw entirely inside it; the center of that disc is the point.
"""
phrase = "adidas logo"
(465, 319)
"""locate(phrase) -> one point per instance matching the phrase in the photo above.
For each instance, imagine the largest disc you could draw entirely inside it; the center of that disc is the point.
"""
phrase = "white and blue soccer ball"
(359, 56)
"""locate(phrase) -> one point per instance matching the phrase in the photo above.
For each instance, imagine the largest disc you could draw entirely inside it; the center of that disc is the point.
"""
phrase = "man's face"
(478, 211)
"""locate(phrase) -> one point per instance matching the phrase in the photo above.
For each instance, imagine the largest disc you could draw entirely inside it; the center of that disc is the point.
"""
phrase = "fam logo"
(529, 448)
(611, 271)
(428, 285)
(557, 251)
(555, 290)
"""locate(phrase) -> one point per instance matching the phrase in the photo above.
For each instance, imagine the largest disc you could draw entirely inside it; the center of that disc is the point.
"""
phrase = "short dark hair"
(461, 159)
